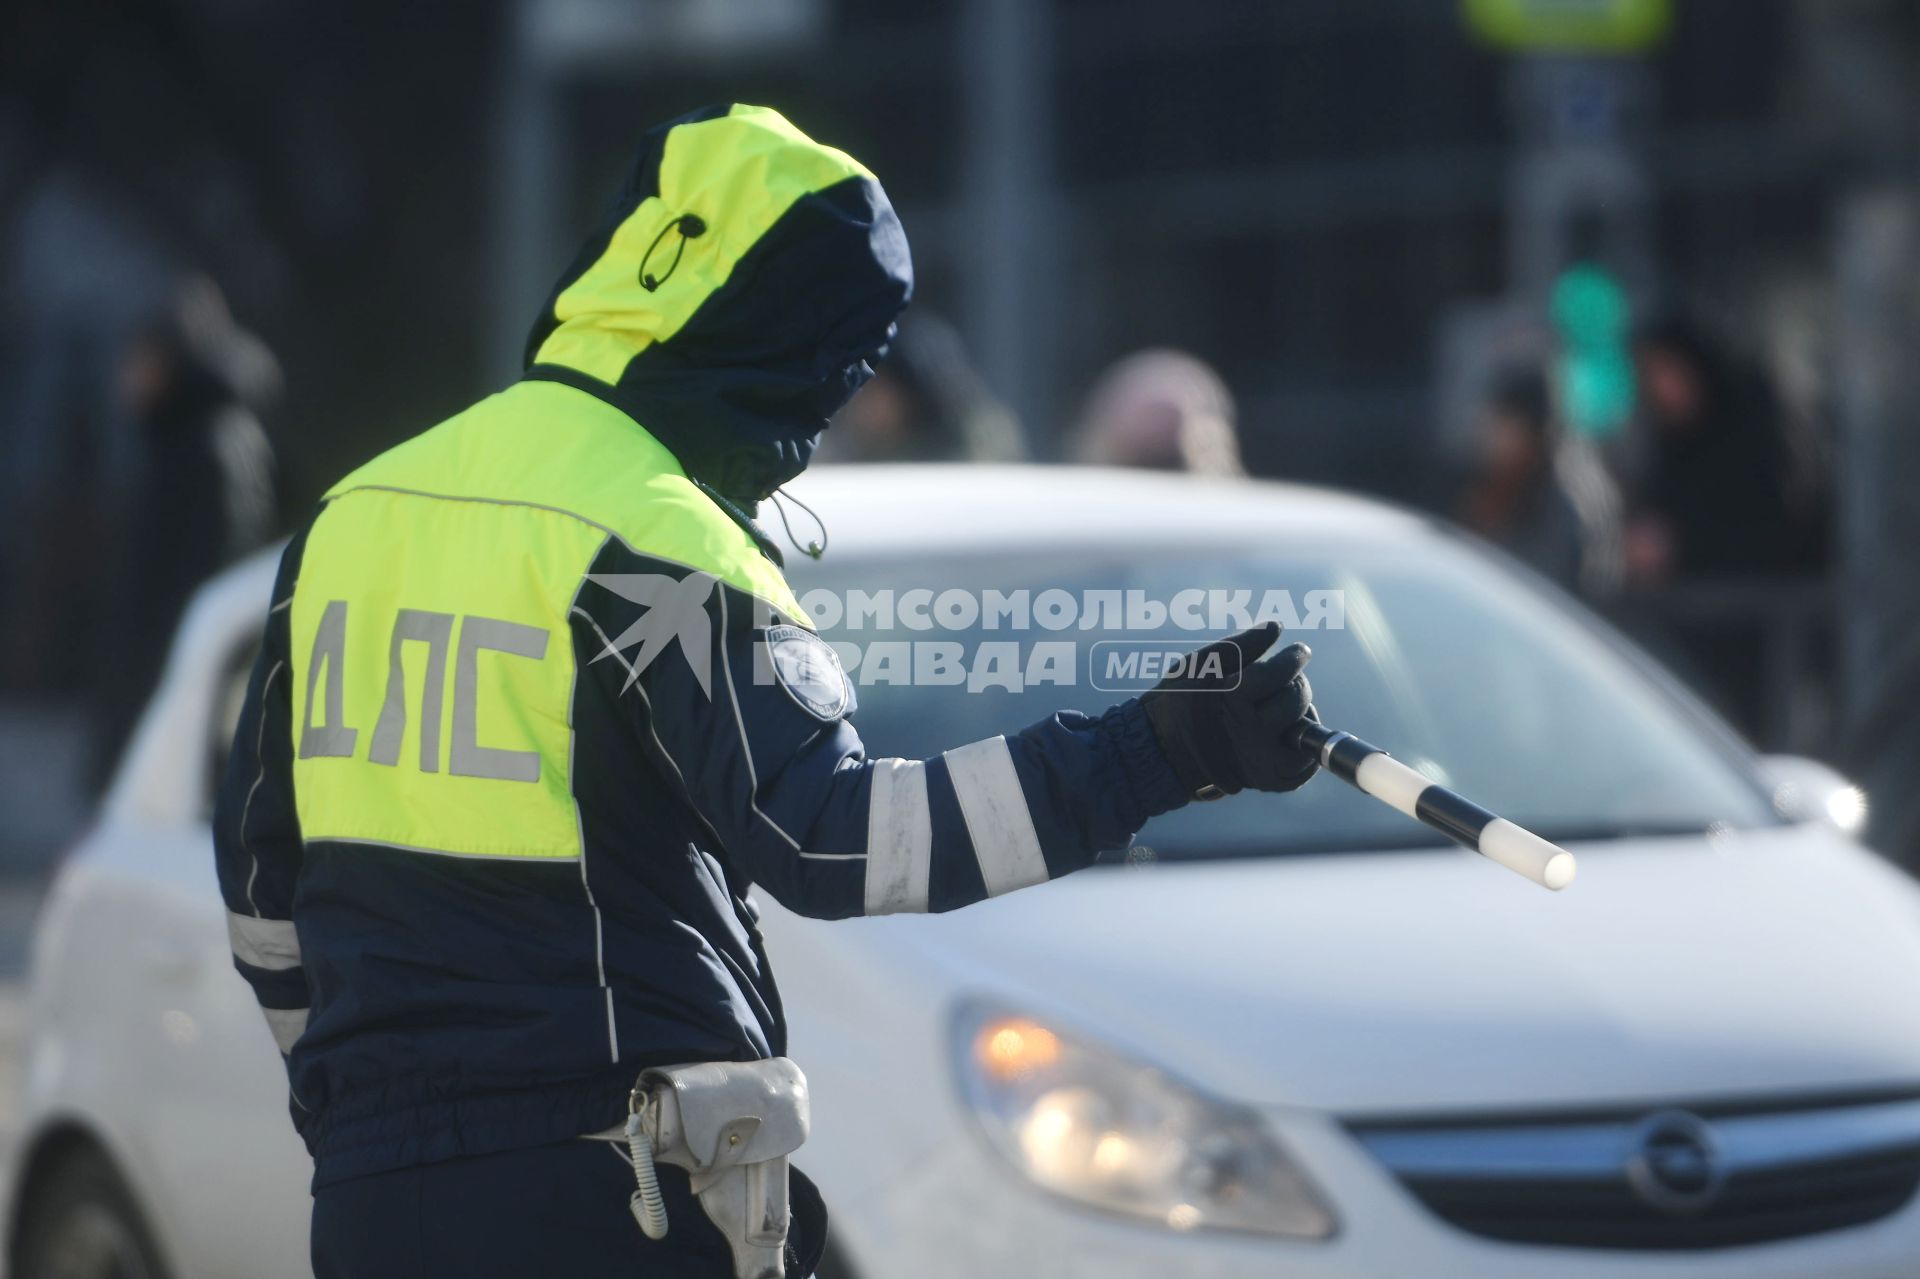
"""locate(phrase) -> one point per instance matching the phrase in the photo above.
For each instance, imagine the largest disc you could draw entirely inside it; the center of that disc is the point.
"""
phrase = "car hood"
(1774, 962)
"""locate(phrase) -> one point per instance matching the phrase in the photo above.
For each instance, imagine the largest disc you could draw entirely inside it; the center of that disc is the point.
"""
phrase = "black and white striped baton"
(1367, 768)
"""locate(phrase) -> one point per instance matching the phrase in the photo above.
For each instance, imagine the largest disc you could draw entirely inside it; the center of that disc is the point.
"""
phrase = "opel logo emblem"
(1675, 1166)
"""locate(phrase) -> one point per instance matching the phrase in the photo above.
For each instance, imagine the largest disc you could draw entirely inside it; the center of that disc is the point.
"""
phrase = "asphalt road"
(43, 799)
(18, 902)
(43, 805)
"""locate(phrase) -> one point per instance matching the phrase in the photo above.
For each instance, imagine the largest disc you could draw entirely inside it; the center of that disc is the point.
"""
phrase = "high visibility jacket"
(535, 706)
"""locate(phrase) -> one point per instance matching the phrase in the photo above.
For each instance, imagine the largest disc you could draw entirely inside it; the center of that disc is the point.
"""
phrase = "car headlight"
(1847, 809)
(1101, 1128)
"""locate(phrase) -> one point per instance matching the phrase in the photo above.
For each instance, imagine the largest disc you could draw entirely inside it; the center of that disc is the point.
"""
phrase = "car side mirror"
(1806, 790)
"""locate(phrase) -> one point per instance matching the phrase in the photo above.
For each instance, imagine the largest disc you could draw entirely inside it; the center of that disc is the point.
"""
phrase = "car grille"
(1710, 1177)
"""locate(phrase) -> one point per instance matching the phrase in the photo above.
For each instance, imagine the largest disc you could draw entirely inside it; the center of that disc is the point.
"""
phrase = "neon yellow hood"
(734, 297)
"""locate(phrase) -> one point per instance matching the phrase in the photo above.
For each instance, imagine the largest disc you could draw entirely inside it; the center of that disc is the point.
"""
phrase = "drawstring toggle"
(691, 226)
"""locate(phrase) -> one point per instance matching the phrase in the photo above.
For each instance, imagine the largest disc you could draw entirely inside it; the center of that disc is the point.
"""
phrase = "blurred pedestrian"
(1162, 410)
(926, 403)
(189, 381)
(1539, 494)
(1728, 486)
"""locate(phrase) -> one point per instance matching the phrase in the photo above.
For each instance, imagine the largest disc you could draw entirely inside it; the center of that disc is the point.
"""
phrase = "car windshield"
(1452, 662)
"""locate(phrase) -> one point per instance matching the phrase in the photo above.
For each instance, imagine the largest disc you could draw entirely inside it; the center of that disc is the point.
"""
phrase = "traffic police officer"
(505, 773)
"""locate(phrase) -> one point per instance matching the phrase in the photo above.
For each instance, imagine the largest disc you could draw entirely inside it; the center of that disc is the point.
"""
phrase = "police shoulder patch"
(808, 668)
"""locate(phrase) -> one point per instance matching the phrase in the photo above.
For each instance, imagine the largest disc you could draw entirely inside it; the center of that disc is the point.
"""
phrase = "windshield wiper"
(1413, 840)
(1600, 831)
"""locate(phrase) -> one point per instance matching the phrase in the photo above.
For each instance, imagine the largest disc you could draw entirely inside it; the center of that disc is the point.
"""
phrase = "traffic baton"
(1367, 768)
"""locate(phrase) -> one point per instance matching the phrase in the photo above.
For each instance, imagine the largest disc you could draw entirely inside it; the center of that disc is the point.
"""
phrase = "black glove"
(1228, 723)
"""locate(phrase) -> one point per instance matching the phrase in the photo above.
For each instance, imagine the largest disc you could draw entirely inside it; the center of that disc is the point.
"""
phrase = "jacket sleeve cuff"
(1148, 786)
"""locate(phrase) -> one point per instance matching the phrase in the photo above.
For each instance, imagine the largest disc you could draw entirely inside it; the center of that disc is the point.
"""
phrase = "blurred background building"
(1629, 287)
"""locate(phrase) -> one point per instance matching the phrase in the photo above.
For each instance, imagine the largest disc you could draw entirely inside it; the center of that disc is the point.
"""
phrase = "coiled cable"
(649, 1208)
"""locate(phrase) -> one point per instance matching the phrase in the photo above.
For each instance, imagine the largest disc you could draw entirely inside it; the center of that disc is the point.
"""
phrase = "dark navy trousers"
(555, 1211)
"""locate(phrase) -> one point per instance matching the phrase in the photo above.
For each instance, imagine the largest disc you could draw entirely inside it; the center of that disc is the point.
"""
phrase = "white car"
(1285, 1035)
